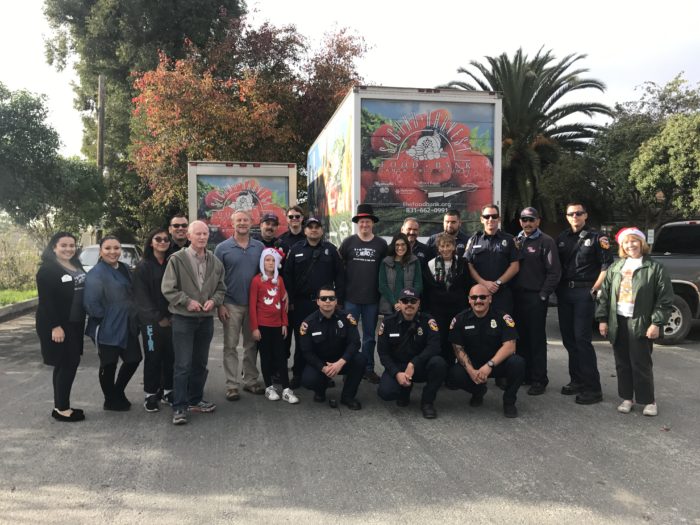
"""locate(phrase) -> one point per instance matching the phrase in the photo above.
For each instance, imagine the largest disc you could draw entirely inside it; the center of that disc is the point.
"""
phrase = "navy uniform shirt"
(288, 239)
(583, 255)
(491, 255)
(307, 268)
(273, 243)
(481, 337)
(540, 270)
(402, 341)
(326, 340)
(461, 240)
(422, 252)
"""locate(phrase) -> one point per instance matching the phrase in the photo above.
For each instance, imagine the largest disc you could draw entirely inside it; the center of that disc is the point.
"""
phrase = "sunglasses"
(479, 297)
(179, 225)
(488, 216)
(527, 219)
(575, 213)
(327, 298)
(293, 216)
(161, 239)
(408, 301)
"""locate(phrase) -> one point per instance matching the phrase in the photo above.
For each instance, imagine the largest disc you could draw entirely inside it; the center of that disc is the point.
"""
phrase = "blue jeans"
(191, 339)
(366, 314)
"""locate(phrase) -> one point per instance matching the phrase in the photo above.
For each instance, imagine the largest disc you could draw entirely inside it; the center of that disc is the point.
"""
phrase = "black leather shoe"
(537, 389)
(589, 398)
(403, 401)
(510, 410)
(319, 398)
(117, 405)
(429, 411)
(571, 389)
(75, 416)
(476, 401)
(352, 404)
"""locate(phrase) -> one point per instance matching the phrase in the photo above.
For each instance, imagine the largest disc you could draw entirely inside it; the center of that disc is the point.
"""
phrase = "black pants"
(576, 308)
(635, 373)
(513, 369)
(157, 358)
(443, 321)
(273, 355)
(109, 358)
(353, 371)
(302, 309)
(64, 372)
(531, 320)
(503, 300)
(432, 373)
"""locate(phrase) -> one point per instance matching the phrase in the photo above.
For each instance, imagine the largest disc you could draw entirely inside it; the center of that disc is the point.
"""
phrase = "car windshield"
(678, 239)
(90, 255)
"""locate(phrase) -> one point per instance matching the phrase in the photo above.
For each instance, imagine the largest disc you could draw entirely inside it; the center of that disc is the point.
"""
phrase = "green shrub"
(19, 260)
(15, 296)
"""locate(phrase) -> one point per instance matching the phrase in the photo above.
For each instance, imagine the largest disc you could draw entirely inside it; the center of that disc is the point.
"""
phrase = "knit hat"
(278, 260)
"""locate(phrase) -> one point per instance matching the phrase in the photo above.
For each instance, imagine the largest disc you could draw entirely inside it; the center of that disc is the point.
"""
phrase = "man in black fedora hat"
(362, 254)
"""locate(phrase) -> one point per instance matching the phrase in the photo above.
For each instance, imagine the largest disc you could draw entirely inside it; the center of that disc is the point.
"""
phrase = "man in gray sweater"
(193, 284)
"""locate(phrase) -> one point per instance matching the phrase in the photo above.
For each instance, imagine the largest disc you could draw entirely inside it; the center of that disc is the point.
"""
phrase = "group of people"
(449, 311)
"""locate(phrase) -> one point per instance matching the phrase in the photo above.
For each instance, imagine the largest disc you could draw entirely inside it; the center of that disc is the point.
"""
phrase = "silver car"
(131, 255)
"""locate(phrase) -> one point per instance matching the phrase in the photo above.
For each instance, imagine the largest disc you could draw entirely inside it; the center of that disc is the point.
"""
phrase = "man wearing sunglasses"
(409, 349)
(330, 342)
(493, 259)
(585, 256)
(177, 228)
(295, 232)
(537, 279)
(483, 340)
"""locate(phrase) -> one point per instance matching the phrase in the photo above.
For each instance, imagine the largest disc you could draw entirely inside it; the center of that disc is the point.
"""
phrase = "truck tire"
(678, 324)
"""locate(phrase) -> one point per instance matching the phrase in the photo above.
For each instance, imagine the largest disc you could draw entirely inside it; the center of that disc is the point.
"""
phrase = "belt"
(578, 284)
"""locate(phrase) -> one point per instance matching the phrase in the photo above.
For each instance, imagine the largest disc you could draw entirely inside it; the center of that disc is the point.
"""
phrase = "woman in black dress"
(60, 319)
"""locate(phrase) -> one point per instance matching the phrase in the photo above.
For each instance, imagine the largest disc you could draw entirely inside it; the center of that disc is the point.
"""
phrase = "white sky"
(422, 43)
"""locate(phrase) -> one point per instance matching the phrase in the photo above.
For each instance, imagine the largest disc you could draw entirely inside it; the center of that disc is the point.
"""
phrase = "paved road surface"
(255, 461)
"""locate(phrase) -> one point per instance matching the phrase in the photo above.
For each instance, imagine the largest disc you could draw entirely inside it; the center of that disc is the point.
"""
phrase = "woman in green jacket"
(633, 306)
(400, 269)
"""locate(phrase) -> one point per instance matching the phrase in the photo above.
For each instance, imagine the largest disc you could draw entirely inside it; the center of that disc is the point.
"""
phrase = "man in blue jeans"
(193, 284)
(362, 254)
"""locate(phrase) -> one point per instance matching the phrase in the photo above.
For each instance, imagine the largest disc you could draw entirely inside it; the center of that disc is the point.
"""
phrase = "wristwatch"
(499, 282)
(491, 363)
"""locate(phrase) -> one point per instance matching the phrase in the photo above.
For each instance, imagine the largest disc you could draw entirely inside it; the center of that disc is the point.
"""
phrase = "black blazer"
(55, 300)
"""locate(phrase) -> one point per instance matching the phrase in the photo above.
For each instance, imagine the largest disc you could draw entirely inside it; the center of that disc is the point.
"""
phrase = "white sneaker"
(625, 407)
(271, 393)
(650, 410)
(289, 397)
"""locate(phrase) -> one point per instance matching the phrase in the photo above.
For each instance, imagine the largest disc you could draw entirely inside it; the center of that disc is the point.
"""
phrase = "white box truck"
(407, 152)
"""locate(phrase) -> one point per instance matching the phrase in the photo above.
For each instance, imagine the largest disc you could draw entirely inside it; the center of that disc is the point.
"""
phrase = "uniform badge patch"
(453, 323)
(494, 324)
(504, 243)
(604, 243)
(509, 320)
(303, 328)
(587, 242)
(351, 320)
(433, 325)
(381, 329)
(340, 323)
(419, 331)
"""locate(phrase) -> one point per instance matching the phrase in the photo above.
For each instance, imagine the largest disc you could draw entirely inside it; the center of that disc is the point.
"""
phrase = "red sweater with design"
(265, 303)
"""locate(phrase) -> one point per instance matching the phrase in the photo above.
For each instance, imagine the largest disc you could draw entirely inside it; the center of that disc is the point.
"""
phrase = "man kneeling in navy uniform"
(409, 349)
(330, 344)
(484, 343)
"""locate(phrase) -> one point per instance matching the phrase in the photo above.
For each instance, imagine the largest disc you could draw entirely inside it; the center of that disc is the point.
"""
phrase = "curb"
(13, 310)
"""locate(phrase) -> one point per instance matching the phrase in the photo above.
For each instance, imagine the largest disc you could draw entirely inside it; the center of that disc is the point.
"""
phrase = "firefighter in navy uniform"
(484, 343)
(585, 256)
(310, 264)
(330, 343)
(409, 349)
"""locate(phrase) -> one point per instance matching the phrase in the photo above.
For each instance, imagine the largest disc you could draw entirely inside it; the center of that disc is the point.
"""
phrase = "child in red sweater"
(268, 322)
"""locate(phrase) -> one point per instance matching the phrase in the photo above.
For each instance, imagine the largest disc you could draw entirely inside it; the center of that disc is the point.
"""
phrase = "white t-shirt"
(625, 295)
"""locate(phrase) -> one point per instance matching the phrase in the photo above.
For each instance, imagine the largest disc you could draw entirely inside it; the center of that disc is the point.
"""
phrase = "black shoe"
(116, 405)
(75, 416)
(403, 401)
(589, 398)
(295, 382)
(372, 377)
(121, 397)
(537, 389)
(319, 398)
(333, 403)
(510, 410)
(571, 389)
(476, 401)
(168, 398)
(352, 404)
(151, 404)
(429, 411)
(502, 383)
(78, 410)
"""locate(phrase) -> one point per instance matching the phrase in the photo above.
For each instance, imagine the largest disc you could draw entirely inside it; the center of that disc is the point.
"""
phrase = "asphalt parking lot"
(256, 461)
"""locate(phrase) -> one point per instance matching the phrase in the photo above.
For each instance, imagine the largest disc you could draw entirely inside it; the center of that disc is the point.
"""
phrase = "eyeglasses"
(479, 297)
(575, 213)
(293, 216)
(161, 239)
(488, 216)
(527, 219)
(409, 300)
(179, 225)
(327, 298)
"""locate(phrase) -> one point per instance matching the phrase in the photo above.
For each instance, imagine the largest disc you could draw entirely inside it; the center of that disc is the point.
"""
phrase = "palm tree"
(536, 124)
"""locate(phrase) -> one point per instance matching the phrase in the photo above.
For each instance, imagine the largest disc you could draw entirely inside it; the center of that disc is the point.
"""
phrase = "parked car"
(131, 255)
(677, 247)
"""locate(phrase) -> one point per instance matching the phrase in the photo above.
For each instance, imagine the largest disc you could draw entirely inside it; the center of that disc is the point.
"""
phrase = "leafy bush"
(19, 260)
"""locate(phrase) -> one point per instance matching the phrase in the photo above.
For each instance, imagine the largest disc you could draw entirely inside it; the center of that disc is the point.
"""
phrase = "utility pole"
(101, 100)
